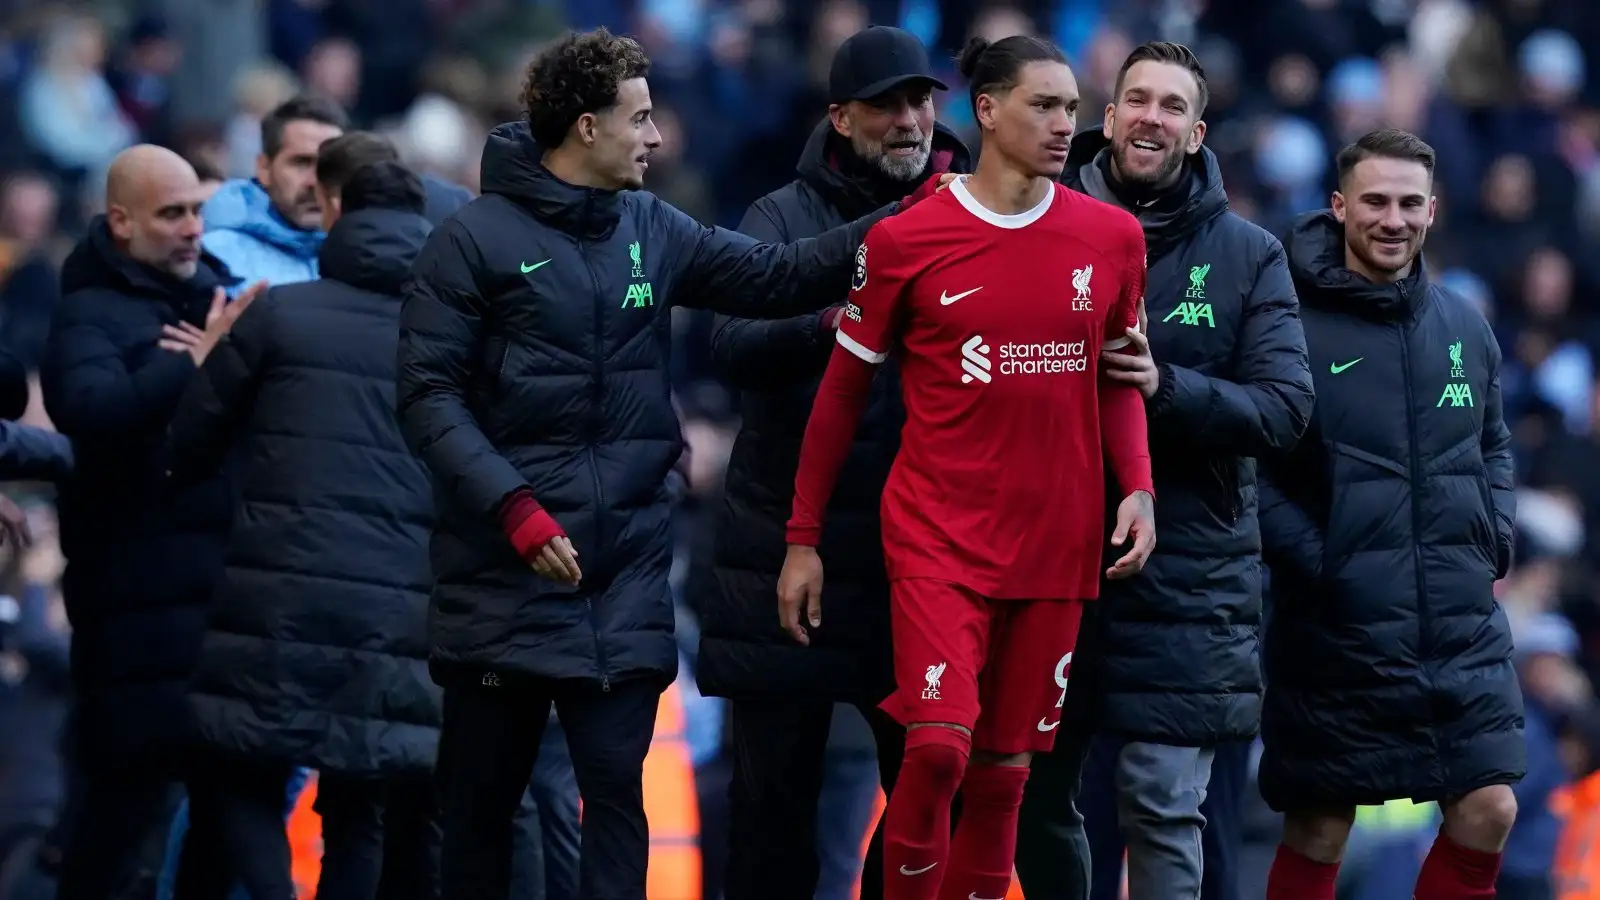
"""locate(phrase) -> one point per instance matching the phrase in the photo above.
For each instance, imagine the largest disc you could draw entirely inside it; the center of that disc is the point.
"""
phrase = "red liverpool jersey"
(998, 322)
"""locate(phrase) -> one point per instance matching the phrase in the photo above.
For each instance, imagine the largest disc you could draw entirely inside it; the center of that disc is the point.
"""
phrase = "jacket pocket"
(1489, 542)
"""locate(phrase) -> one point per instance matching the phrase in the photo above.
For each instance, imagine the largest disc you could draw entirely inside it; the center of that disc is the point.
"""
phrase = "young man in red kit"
(999, 295)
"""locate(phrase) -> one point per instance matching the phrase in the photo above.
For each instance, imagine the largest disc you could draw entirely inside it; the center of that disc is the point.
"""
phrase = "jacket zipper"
(1415, 468)
(596, 418)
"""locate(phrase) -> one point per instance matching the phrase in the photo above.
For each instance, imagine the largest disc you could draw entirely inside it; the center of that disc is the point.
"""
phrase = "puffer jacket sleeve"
(1501, 469)
(33, 454)
(1267, 408)
(441, 330)
(735, 274)
(757, 354)
(221, 396)
(89, 391)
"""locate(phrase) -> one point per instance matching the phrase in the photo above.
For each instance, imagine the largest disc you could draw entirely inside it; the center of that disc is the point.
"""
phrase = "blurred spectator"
(68, 110)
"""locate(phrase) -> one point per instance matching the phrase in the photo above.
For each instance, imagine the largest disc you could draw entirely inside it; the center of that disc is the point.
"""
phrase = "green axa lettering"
(1191, 313)
(1457, 394)
(639, 296)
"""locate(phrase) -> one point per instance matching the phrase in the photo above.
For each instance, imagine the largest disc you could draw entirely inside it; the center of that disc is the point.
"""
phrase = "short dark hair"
(338, 158)
(578, 74)
(205, 169)
(304, 108)
(383, 185)
(1173, 55)
(1386, 143)
(993, 68)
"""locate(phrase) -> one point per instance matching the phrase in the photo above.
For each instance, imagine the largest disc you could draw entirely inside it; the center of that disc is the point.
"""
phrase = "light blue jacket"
(253, 240)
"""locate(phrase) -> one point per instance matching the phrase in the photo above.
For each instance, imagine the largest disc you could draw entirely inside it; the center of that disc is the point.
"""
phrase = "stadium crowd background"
(1502, 88)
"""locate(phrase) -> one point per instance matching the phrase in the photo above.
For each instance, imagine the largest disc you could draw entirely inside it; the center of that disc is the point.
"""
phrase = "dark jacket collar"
(1165, 225)
(1316, 260)
(513, 168)
(373, 248)
(854, 187)
(96, 262)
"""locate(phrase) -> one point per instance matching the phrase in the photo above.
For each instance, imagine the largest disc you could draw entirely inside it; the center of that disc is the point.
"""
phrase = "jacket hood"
(513, 168)
(373, 248)
(1088, 161)
(828, 164)
(1316, 261)
(444, 198)
(95, 262)
(242, 205)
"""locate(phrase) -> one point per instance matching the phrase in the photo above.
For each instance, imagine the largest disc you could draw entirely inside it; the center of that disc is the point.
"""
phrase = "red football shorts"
(996, 667)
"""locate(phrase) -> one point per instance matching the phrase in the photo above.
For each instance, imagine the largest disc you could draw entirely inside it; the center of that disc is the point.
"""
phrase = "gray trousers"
(1158, 789)
(1159, 792)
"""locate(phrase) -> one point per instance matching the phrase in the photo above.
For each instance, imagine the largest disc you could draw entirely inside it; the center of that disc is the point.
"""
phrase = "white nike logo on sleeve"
(946, 299)
(908, 871)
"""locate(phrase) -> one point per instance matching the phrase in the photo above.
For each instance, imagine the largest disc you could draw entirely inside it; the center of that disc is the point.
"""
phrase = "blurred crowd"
(1501, 88)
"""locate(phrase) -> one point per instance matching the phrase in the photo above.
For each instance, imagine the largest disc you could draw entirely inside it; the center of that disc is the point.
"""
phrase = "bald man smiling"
(142, 305)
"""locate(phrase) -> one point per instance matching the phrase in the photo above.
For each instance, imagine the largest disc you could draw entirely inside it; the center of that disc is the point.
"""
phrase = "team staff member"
(1389, 666)
(533, 382)
(1167, 662)
(877, 141)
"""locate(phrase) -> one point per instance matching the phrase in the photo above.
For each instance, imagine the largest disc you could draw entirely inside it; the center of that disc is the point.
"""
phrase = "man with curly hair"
(534, 349)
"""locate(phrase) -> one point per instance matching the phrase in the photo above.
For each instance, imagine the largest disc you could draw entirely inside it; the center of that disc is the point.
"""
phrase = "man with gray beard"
(877, 142)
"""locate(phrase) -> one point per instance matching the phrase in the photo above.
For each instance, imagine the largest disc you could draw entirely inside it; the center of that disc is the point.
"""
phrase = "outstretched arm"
(761, 354)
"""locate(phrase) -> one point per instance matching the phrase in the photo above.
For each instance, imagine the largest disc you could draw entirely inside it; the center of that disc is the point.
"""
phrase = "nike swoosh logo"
(1043, 727)
(907, 871)
(974, 896)
(527, 268)
(946, 299)
(1336, 368)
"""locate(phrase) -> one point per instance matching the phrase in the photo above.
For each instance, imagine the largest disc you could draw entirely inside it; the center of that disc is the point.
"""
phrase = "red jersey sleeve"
(872, 315)
(866, 334)
(1125, 434)
(1126, 313)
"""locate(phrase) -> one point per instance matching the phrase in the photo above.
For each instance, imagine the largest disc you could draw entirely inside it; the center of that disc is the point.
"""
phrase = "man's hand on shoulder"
(928, 188)
(1136, 516)
(800, 590)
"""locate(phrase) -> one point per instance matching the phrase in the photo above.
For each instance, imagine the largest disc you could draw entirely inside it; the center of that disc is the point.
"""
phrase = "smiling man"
(1166, 668)
(534, 341)
(1389, 660)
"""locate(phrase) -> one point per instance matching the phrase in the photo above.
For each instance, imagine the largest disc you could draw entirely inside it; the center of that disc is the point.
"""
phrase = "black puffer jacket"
(534, 343)
(316, 650)
(142, 555)
(1388, 659)
(1172, 655)
(778, 364)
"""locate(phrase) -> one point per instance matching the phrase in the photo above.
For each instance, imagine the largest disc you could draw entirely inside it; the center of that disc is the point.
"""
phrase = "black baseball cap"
(875, 60)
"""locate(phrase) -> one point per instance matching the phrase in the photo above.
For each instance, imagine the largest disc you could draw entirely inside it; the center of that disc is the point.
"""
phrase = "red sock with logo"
(916, 825)
(1454, 872)
(1295, 876)
(985, 845)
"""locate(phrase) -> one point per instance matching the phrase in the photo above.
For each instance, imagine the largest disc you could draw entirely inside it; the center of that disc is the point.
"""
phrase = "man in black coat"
(142, 303)
(316, 649)
(878, 140)
(1166, 664)
(1388, 659)
(533, 382)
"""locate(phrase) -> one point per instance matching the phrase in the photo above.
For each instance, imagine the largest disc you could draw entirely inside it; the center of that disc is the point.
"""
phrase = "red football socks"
(985, 844)
(1295, 876)
(1454, 872)
(916, 826)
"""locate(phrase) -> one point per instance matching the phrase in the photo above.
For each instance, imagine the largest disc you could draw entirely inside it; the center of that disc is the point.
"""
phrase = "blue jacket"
(253, 240)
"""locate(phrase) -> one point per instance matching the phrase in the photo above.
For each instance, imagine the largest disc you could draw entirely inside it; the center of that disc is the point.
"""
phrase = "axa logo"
(975, 361)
